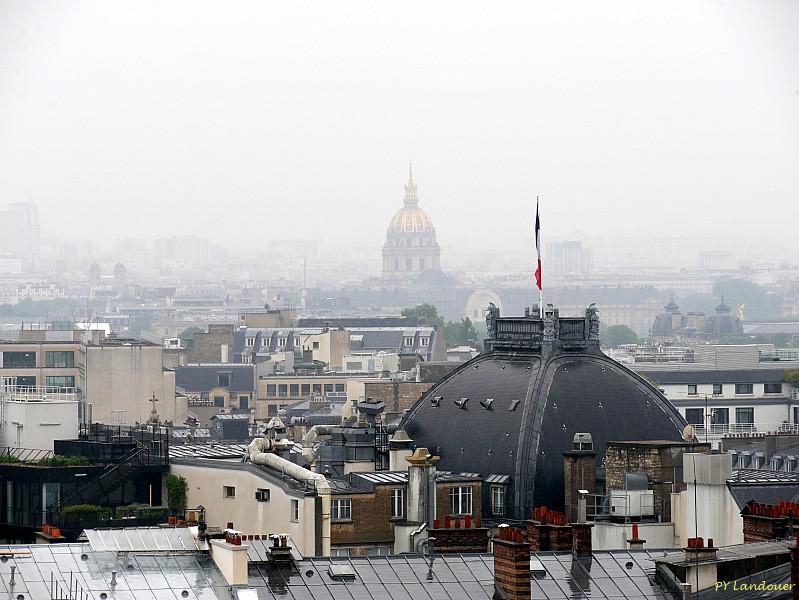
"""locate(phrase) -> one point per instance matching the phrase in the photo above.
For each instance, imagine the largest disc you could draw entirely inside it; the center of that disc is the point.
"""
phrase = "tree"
(759, 303)
(426, 311)
(176, 490)
(616, 335)
(459, 333)
(792, 377)
(188, 333)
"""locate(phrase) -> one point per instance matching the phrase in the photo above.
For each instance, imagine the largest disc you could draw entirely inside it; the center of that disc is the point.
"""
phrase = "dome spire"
(410, 188)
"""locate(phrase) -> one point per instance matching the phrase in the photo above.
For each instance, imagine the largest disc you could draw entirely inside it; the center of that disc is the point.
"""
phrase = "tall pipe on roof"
(260, 454)
(314, 432)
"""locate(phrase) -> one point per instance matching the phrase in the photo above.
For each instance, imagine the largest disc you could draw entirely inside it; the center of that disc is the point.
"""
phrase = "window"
(271, 390)
(19, 360)
(281, 342)
(316, 345)
(424, 341)
(262, 495)
(228, 491)
(408, 341)
(271, 410)
(498, 500)
(294, 390)
(340, 552)
(717, 389)
(353, 365)
(339, 387)
(59, 360)
(378, 551)
(772, 388)
(317, 389)
(328, 388)
(743, 388)
(60, 381)
(295, 511)
(305, 389)
(692, 389)
(397, 503)
(720, 420)
(341, 510)
(282, 390)
(296, 342)
(745, 418)
(223, 380)
(250, 342)
(26, 380)
(219, 400)
(460, 500)
(694, 416)
(421, 264)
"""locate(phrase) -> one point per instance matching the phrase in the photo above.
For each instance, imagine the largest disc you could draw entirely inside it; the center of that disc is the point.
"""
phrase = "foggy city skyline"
(147, 121)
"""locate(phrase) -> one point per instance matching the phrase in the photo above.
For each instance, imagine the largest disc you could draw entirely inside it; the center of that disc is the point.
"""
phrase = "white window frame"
(295, 510)
(460, 500)
(250, 342)
(498, 500)
(226, 491)
(341, 510)
(397, 496)
(408, 341)
(424, 341)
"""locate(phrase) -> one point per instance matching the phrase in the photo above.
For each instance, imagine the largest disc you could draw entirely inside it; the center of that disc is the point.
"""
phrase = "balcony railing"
(721, 429)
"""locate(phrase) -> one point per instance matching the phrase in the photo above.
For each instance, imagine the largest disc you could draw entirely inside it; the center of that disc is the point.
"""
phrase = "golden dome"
(410, 218)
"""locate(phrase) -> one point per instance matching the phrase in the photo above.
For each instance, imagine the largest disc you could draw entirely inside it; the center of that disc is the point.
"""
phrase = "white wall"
(205, 487)
(614, 536)
(34, 425)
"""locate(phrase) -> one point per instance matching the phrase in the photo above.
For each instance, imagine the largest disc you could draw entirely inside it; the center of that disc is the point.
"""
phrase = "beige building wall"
(206, 486)
(124, 378)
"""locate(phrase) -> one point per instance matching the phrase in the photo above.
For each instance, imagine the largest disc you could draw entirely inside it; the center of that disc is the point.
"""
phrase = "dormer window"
(281, 342)
(408, 341)
(250, 342)
(424, 341)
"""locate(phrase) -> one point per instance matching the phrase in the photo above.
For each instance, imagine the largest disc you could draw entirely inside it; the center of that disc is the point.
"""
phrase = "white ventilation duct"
(260, 454)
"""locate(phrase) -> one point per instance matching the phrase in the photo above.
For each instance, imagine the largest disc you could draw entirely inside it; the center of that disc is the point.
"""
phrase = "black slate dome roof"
(548, 380)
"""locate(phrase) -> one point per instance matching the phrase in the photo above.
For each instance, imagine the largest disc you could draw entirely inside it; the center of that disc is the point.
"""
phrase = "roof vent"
(582, 441)
(486, 404)
(436, 400)
(461, 403)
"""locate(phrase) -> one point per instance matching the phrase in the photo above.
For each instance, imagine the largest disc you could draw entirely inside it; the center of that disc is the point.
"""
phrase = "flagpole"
(541, 284)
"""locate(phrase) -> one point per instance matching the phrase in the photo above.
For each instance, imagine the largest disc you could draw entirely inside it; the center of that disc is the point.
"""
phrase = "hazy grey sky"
(248, 121)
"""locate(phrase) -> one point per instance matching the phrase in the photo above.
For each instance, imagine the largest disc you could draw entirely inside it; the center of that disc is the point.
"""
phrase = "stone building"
(411, 247)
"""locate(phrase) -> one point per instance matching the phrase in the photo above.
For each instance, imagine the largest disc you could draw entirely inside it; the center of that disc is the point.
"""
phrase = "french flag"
(538, 246)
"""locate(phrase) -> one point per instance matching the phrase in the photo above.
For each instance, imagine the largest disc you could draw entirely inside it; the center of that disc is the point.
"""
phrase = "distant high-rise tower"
(411, 247)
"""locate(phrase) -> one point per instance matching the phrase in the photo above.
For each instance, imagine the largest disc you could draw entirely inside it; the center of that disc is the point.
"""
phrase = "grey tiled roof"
(616, 575)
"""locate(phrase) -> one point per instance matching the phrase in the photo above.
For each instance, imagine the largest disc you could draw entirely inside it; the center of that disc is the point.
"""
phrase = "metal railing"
(769, 427)
(37, 393)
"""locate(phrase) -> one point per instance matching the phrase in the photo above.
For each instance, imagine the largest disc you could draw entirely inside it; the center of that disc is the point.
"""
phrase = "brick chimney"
(579, 473)
(512, 564)
(581, 539)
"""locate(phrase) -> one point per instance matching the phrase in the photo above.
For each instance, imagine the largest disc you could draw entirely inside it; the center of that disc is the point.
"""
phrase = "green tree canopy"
(792, 377)
(759, 303)
(459, 333)
(427, 311)
(616, 335)
(189, 332)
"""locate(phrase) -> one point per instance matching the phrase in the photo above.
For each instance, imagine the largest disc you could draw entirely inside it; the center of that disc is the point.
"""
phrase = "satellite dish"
(688, 433)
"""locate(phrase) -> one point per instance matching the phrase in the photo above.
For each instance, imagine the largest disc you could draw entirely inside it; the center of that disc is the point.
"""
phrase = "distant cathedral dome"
(411, 247)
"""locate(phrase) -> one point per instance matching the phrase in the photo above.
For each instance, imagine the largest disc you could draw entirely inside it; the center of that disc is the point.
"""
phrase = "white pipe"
(314, 432)
(260, 454)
